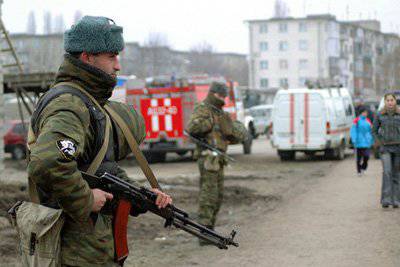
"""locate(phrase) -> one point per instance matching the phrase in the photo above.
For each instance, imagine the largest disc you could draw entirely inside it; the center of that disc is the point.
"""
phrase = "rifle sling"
(144, 165)
(103, 150)
(94, 165)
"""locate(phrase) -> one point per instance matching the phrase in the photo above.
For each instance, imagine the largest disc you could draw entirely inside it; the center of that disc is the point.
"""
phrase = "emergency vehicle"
(166, 105)
(312, 120)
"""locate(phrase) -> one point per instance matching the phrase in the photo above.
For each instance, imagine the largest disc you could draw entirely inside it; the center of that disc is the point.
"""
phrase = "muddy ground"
(255, 185)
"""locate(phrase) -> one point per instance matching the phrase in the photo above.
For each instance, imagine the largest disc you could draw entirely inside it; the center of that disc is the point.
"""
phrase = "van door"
(283, 125)
(310, 120)
(300, 114)
(316, 125)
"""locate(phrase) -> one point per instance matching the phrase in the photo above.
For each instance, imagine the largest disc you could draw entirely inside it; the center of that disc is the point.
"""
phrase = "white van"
(312, 120)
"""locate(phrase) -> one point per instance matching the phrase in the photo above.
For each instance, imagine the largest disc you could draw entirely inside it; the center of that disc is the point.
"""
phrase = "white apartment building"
(285, 52)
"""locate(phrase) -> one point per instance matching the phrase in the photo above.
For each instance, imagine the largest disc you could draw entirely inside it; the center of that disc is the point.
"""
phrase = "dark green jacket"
(84, 243)
(210, 122)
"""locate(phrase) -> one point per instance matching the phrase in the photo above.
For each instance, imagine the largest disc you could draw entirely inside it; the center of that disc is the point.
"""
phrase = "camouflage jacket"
(87, 238)
(210, 122)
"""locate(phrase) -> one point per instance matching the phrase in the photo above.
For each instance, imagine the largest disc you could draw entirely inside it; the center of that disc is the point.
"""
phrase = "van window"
(339, 108)
(348, 108)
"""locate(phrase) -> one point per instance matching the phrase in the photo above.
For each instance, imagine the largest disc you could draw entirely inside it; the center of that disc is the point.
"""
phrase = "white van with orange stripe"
(312, 120)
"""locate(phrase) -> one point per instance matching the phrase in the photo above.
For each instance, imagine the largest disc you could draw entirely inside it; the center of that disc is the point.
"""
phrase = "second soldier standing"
(210, 123)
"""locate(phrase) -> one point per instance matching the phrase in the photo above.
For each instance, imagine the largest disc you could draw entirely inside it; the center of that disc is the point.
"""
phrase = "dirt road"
(310, 212)
(337, 222)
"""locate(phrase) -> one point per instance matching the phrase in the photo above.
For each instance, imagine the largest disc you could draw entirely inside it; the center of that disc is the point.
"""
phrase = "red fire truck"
(166, 107)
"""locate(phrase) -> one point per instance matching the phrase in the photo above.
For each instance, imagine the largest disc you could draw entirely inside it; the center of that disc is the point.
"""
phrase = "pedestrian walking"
(386, 131)
(361, 137)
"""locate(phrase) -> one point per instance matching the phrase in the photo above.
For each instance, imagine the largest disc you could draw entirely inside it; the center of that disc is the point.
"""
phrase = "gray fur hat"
(94, 35)
(219, 88)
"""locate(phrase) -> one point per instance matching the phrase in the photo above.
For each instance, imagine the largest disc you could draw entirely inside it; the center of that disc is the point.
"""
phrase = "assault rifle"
(128, 196)
(205, 145)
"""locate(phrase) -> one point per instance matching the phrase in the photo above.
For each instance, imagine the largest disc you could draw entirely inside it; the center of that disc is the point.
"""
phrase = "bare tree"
(31, 25)
(202, 59)
(156, 55)
(47, 23)
(59, 25)
(281, 9)
(77, 16)
(156, 39)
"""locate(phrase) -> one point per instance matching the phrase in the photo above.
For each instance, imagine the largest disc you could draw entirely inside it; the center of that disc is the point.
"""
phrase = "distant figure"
(386, 131)
(361, 136)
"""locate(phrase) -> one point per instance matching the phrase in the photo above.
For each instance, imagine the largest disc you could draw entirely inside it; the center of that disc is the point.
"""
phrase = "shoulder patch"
(67, 148)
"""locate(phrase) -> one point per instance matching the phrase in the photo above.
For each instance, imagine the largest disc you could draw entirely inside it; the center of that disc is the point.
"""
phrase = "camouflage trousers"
(211, 193)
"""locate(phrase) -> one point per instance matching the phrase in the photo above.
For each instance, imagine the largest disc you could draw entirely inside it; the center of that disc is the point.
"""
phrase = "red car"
(15, 139)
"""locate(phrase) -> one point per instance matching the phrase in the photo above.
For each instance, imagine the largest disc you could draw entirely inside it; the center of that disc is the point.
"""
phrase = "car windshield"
(257, 112)
(260, 112)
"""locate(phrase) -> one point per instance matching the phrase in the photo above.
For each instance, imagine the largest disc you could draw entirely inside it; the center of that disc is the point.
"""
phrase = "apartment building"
(286, 52)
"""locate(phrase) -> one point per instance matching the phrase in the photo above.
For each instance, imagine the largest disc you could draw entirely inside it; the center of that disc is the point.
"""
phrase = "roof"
(31, 82)
(309, 17)
(322, 91)
(261, 107)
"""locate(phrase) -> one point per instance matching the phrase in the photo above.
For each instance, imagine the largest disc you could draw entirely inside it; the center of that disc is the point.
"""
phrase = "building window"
(263, 28)
(263, 64)
(283, 46)
(283, 82)
(302, 26)
(283, 64)
(263, 46)
(303, 64)
(283, 27)
(303, 45)
(302, 81)
(264, 83)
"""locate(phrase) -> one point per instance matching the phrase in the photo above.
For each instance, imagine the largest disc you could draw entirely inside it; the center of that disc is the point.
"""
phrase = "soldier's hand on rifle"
(162, 199)
(99, 199)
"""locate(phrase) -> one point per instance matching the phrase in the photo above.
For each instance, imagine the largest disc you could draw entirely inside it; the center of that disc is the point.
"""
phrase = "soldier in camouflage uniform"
(67, 129)
(210, 123)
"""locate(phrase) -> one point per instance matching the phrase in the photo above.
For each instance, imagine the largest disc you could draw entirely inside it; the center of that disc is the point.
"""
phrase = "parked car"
(312, 120)
(15, 139)
(260, 119)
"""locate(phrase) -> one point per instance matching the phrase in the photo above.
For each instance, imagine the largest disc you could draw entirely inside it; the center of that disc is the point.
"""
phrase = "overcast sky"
(189, 22)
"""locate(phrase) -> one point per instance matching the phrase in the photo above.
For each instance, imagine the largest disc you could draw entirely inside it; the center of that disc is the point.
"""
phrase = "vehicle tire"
(330, 154)
(310, 153)
(247, 145)
(182, 153)
(287, 155)
(19, 152)
(155, 157)
(336, 153)
(340, 152)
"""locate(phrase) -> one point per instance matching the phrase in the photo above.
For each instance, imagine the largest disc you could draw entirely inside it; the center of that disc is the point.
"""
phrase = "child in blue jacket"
(361, 136)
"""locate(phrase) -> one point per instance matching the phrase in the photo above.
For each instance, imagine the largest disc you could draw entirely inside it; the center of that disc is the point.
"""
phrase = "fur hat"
(219, 88)
(94, 35)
